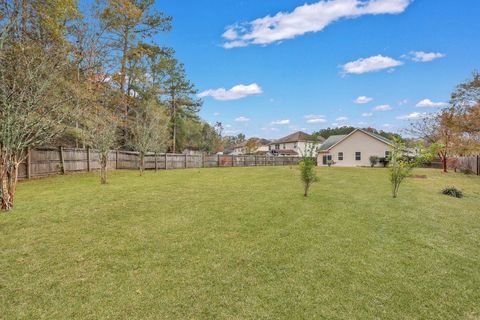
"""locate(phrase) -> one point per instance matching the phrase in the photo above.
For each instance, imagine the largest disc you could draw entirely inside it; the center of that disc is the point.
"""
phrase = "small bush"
(307, 174)
(452, 192)
(374, 161)
(383, 162)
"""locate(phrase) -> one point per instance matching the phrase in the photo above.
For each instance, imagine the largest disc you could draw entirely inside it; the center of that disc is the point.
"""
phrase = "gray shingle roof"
(331, 141)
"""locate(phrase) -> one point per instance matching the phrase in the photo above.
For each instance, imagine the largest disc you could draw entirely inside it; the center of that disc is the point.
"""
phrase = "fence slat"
(29, 163)
(46, 162)
(62, 160)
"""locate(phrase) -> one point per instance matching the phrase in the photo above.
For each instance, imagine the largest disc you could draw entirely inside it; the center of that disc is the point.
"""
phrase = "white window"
(387, 154)
(358, 156)
(340, 156)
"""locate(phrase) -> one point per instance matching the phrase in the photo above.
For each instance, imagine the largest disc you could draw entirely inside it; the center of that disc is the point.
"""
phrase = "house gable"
(356, 148)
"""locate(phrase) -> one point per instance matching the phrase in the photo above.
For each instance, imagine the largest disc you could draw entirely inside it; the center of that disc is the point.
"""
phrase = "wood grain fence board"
(50, 161)
(469, 164)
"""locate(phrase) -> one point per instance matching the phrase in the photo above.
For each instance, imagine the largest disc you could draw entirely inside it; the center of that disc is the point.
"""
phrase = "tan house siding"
(358, 141)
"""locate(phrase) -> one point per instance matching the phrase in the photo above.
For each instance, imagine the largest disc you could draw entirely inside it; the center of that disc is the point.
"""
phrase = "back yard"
(240, 243)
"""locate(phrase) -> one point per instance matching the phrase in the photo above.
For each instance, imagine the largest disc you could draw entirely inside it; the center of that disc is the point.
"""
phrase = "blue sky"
(301, 65)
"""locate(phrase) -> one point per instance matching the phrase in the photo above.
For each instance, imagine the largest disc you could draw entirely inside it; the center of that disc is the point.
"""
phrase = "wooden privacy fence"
(468, 164)
(51, 161)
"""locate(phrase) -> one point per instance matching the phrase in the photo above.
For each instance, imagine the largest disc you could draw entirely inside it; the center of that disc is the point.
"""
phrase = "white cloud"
(237, 92)
(427, 103)
(235, 44)
(414, 116)
(367, 114)
(402, 102)
(270, 129)
(383, 107)
(242, 119)
(371, 64)
(216, 114)
(304, 19)
(312, 118)
(420, 56)
(230, 34)
(319, 120)
(362, 123)
(363, 100)
(341, 119)
(281, 122)
(387, 125)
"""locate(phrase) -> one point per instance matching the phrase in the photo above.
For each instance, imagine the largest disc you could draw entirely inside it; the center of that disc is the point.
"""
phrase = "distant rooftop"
(296, 137)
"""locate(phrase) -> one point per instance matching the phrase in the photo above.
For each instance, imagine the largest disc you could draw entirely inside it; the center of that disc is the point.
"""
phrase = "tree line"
(456, 128)
(92, 77)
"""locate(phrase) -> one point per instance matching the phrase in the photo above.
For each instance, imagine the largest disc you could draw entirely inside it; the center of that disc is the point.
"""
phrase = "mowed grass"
(241, 243)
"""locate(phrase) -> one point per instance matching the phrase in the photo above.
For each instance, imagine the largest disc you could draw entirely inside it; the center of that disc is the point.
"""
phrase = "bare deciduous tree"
(102, 126)
(34, 100)
(148, 129)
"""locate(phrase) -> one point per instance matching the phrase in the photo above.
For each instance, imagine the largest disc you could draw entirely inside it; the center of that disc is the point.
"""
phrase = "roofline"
(374, 136)
(274, 142)
(351, 133)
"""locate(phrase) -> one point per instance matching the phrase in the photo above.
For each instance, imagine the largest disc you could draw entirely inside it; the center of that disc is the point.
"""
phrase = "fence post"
(233, 159)
(185, 161)
(156, 162)
(166, 160)
(29, 163)
(478, 165)
(203, 160)
(218, 160)
(88, 159)
(116, 160)
(62, 160)
(255, 161)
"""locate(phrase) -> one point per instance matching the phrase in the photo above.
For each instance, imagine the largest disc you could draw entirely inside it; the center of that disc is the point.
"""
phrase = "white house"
(295, 144)
(260, 146)
(354, 149)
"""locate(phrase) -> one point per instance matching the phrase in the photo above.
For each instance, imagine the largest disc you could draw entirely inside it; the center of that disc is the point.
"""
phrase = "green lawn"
(241, 243)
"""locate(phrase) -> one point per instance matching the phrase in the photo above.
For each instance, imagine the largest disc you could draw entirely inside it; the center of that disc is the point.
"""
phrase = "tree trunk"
(103, 169)
(12, 181)
(123, 77)
(5, 205)
(174, 126)
(305, 189)
(6, 202)
(443, 158)
(9, 178)
(142, 163)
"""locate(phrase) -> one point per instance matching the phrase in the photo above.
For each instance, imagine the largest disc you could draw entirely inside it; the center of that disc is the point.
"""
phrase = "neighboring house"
(295, 144)
(251, 146)
(354, 149)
